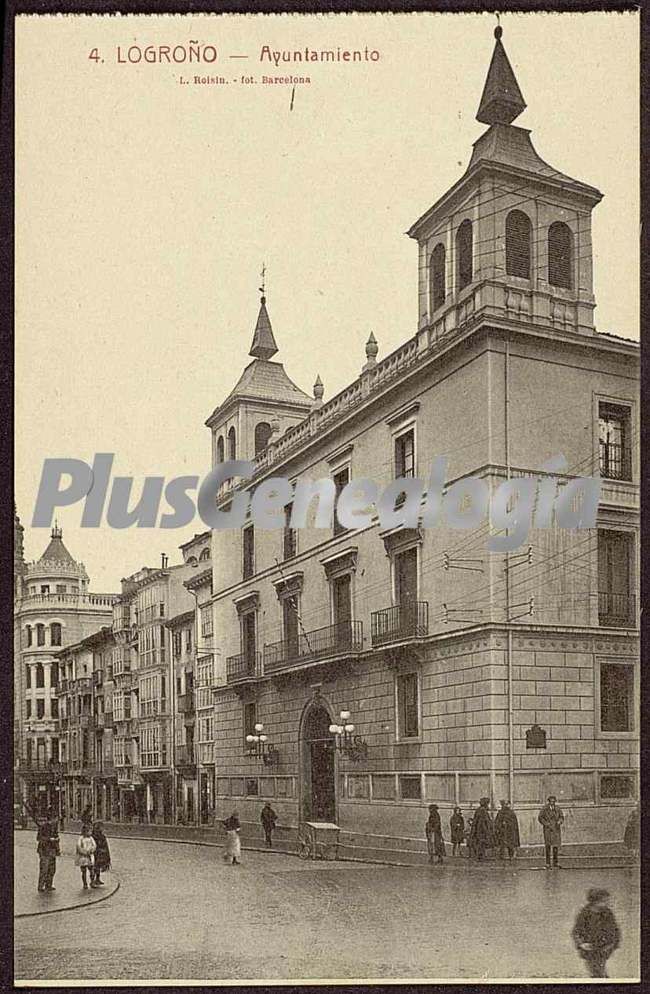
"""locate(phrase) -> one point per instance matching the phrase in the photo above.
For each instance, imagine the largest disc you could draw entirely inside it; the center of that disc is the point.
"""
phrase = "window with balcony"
(289, 535)
(290, 624)
(248, 551)
(248, 637)
(341, 479)
(614, 440)
(55, 633)
(616, 596)
(616, 692)
(408, 706)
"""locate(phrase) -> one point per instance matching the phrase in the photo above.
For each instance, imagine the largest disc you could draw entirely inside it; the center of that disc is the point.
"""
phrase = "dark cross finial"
(263, 286)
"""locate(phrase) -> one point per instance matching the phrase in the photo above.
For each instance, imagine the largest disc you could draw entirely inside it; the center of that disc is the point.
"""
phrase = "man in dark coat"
(551, 819)
(482, 832)
(268, 818)
(102, 856)
(506, 830)
(47, 847)
(596, 933)
(433, 832)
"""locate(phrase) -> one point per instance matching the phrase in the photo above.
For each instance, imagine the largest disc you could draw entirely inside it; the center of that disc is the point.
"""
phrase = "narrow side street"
(182, 913)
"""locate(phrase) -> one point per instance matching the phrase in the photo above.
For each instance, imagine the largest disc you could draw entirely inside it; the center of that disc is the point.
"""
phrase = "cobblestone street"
(182, 914)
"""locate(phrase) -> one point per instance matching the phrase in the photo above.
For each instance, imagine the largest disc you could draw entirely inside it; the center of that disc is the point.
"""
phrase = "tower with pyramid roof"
(263, 403)
(511, 239)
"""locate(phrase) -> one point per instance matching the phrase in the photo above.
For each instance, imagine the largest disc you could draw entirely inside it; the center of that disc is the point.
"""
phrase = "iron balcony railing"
(616, 610)
(243, 666)
(36, 765)
(321, 643)
(403, 621)
(615, 461)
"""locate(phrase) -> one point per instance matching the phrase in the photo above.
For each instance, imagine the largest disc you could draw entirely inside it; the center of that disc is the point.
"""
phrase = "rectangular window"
(45, 589)
(28, 677)
(289, 544)
(206, 621)
(290, 624)
(408, 706)
(177, 643)
(341, 480)
(40, 707)
(616, 598)
(405, 454)
(410, 788)
(40, 635)
(28, 711)
(188, 640)
(614, 438)
(616, 787)
(616, 697)
(60, 588)
(248, 544)
(55, 707)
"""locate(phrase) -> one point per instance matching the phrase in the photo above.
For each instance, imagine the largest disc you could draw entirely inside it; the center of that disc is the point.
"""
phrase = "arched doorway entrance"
(318, 775)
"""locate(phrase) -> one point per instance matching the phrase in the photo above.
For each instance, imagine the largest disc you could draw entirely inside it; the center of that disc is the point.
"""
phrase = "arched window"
(518, 241)
(40, 635)
(262, 435)
(28, 635)
(55, 633)
(220, 449)
(205, 554)
(464, 269)
(437, 277)
(232, 444)
(40, 675)
(560, 255)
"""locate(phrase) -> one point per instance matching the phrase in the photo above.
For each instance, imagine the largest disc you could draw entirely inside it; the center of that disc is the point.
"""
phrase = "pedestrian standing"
(482, 834)
(596, 933)
(232, 851)
(457, 827)
(102, 855)
(86, 847)
(433, 832)
(506, 830)
(551, 818)
(47, 847)
(632, 836)
(268, 818)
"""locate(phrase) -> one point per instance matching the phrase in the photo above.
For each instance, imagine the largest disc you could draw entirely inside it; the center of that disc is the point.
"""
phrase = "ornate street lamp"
(260, 747)
(352, 746)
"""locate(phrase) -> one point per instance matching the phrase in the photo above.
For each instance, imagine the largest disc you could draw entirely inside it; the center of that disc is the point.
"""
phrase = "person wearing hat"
(506, 830)
(551, 819)
(457, 827)
(596, 932)
(482, 830)
(433, 832)
(47, 847)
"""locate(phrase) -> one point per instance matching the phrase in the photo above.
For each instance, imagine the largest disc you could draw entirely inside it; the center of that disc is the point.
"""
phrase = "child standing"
(85, 858)
(457, 826)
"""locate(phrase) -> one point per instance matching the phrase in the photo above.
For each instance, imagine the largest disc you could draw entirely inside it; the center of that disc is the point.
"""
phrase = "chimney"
(163, 560)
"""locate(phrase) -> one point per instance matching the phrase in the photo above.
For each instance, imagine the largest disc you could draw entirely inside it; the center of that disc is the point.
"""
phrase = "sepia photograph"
(326, 597)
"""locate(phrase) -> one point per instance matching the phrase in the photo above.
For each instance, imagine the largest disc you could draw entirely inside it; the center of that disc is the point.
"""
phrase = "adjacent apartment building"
(363, 673)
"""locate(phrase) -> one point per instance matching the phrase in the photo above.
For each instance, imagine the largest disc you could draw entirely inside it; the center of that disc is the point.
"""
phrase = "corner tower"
(261, 406)
(512, 238)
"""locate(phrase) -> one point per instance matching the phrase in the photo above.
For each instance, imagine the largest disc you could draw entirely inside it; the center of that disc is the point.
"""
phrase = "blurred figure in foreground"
(596, 933)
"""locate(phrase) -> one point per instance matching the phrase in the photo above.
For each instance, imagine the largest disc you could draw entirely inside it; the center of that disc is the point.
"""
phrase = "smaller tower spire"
(263, 346)
(501, 101)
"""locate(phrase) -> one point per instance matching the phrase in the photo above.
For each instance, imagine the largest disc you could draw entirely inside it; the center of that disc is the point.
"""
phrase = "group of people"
(232, 825)
(501, 833)
(92, 854)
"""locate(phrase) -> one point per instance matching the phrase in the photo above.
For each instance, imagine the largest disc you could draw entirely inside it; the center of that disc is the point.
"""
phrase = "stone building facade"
(53, 608)
(460, 672)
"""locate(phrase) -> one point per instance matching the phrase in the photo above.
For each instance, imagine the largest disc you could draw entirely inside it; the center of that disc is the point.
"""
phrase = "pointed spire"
(502, 101)
(319, 390)
(371, 353)
(263, 346)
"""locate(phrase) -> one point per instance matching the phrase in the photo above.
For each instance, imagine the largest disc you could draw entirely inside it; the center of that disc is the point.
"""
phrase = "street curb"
(71, 907)
(372, 862)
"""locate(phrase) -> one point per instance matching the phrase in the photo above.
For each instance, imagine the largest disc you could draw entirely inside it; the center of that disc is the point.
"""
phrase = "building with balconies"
(53, 608)
(368, 671)
(182, 632)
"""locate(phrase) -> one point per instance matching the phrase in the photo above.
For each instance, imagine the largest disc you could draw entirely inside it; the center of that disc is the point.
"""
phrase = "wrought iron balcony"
(321, 643)
(615, 461)
(245, 666)
(403, 621)
(40, 768)
(616, 610)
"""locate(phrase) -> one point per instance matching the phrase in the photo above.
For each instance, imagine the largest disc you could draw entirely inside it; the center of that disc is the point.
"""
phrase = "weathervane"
(263, 279)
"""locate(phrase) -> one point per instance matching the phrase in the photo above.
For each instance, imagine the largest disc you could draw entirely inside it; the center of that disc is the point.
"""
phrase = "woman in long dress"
(232, 851)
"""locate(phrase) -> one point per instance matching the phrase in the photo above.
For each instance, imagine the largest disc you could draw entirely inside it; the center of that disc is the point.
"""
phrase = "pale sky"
(144, 210)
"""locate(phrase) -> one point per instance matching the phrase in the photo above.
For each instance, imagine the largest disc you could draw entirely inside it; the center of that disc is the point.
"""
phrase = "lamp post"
(345, 741)
(260, 747)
